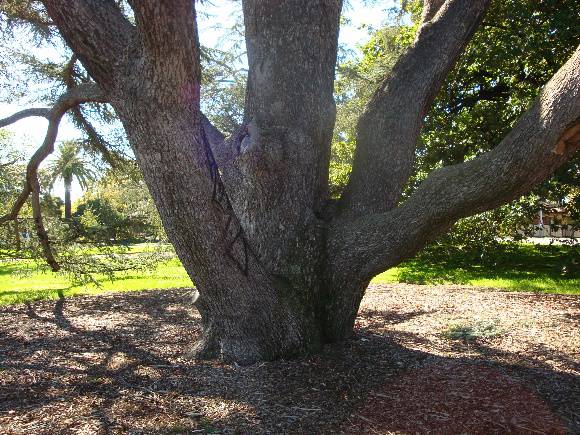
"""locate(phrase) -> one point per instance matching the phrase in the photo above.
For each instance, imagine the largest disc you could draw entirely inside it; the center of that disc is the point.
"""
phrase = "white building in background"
(555, 221)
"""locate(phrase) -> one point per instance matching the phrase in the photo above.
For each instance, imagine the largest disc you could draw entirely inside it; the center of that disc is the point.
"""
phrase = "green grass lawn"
(17, 284)
(526, 268)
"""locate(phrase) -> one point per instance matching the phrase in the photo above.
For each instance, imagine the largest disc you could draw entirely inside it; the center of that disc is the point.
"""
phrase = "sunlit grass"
(20, 285)
(528, 268)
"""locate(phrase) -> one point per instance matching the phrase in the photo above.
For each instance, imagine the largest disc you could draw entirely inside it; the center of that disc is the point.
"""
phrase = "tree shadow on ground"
(115, 363)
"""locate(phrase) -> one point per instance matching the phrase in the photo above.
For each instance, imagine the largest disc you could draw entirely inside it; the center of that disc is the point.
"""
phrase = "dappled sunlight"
(117, 363)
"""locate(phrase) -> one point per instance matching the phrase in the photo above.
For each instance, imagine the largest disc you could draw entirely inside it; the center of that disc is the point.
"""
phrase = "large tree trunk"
(254, 307)
(246, 215)
(280, 268)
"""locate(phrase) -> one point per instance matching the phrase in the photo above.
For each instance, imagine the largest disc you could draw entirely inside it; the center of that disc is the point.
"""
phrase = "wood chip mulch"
(116, 364)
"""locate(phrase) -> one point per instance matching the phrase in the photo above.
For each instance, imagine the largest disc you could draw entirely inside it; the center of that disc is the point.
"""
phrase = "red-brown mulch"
(116, 364)
(455, 398)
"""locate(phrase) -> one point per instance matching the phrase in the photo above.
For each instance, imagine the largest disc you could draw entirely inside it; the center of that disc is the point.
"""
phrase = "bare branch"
(26, 113)
(388, 130)
(39, 225)
(73, 97)
(88, 92)
(544, 138)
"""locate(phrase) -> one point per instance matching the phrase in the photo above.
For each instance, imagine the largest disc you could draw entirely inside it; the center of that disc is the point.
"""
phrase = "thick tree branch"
(167, 25)
(97, 32)
(388, 130)
(543, 139)
(168, 34)
(73, 97)
(283, 148)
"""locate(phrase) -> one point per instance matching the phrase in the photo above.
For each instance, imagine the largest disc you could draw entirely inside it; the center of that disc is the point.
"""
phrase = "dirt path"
(442, 359)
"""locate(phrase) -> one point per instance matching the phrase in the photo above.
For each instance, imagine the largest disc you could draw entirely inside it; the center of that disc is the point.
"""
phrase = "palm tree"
(69, 164)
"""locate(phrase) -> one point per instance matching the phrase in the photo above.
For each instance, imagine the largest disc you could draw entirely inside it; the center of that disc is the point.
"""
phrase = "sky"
(360, 16)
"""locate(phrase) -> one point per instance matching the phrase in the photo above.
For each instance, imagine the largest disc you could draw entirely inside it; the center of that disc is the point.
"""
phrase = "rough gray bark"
(543, 139)
(279, 272)
(430, 8)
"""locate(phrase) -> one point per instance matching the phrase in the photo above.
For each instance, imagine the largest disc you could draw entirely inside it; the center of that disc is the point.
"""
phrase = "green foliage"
(223, 89)
(494, 83)
(478, 238)
(519, 46)
(472, 331)
(15, 14)
(96, 219)
(489, 89)
(122, 207)
(98, 226)
(12, 171)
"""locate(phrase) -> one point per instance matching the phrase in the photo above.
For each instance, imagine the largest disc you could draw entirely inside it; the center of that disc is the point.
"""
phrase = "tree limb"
(283, 148)
(170, 48)
(87, 92)
(388, 130)
(26, 113)
(543, 139)
(105, 51)
(167, 25)
(39, 224)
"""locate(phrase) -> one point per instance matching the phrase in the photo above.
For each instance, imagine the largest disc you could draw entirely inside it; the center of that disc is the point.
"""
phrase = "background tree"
(70, 165)
(11, 178)
(280, 267)
(120, 206)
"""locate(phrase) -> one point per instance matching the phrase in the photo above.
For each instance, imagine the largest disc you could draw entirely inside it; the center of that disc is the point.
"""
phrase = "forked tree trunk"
(253, 308)
(280, 268)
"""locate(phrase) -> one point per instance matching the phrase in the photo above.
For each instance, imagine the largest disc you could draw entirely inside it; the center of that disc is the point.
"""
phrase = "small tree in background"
(70, 164)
